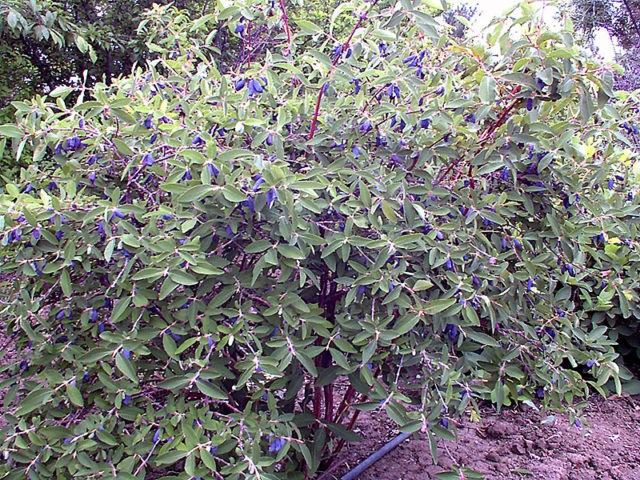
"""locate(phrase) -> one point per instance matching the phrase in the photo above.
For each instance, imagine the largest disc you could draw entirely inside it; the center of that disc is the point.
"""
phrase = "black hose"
(353, 474)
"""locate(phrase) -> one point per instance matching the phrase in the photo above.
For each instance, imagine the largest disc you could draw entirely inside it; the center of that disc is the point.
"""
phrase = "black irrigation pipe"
(353, 474)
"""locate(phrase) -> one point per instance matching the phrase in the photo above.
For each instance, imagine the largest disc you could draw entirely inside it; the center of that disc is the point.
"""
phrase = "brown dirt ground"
(515, 445)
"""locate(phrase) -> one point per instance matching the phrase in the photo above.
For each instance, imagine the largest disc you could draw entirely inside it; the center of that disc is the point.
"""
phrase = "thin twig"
(146, 459)
(345, 47)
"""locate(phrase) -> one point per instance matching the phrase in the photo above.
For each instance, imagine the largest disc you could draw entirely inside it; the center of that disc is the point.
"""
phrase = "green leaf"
(448, 476)
(183, 278)
(586, 107)
(175, 384)
(340, 431)
(481, 338)
(288, 251)
(65, 283)
(211, 390)
(208, 460)
(74, 395)
(421, 285)
(307, 363)
(82, 44)
(61, 91)
(122, 147)
(126, 367)
(308, 28)
(234, 195)
(405, 324)
(148, 273)
(434, 307)
(169, 345)
(389, 211)
(488, 89)
(167, 287)
(12, 19)
(196, 193)
(120, 309)
(11, 131)
(170, 458)
(194, 156)
(108, 250)
(36, 399)
(106, 437)
(258, 246)
(206, 269)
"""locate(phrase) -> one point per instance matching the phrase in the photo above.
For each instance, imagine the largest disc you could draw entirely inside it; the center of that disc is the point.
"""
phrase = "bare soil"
(515, 444)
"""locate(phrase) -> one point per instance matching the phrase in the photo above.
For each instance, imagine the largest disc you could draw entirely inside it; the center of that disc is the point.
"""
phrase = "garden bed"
(516, 444)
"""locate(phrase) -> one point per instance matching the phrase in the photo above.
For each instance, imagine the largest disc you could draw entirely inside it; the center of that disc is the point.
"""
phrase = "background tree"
(621, 19)
(56, 36)
(48, 43)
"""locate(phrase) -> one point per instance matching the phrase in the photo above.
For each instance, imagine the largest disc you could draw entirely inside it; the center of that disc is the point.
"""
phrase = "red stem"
(492, 129)
(345, 47)
(316, 112)
(484, 138)
(285, 19)
(374, 97)
(352, 422)
(344, 404)
(354, 417)
(317, 402)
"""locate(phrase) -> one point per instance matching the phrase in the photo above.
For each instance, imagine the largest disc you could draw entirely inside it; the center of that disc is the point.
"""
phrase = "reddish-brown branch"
(345, 47)
(327, 474)
(317, 402)
(493, 128)
(352, 422)
(372, 98)
(354, 417)
(285, 19)
(316, 112)
(328, 403)
(501, 119)
(344, 405)
(484, 138)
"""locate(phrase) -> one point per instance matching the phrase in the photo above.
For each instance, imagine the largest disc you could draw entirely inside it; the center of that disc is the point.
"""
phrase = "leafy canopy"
(226, 266)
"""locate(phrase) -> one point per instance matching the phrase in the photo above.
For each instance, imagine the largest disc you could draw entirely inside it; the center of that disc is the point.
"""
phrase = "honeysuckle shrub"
(226, 267)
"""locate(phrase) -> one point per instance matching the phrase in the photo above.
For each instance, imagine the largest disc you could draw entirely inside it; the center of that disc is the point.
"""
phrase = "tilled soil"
(515, 444)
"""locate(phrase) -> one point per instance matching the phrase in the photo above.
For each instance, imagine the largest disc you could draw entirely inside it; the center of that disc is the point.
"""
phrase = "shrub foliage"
(226, 266)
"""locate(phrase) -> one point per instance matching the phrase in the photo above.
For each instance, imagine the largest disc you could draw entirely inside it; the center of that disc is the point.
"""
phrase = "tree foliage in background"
(621, 19)
(227, 262)
(63, 39)
(48, 43)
